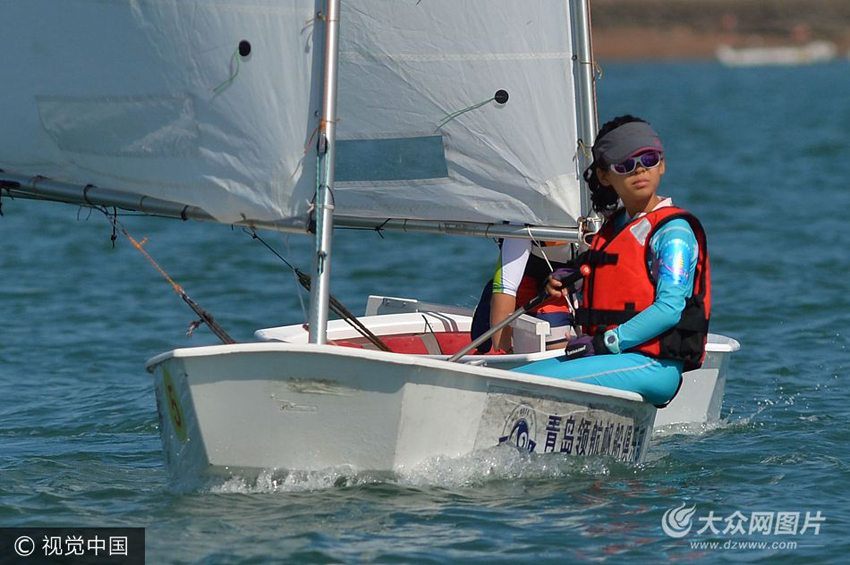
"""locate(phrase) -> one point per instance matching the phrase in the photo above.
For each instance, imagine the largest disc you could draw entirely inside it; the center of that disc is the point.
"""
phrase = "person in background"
(521, 272)
(646, 288)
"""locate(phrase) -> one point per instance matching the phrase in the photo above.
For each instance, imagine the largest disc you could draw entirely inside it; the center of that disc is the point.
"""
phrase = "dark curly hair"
(604, 198)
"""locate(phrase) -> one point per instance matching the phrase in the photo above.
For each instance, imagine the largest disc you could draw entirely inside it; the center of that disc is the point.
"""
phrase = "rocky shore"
(685, 29)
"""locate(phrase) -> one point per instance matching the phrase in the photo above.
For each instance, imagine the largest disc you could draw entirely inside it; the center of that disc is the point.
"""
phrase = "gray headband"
(621, 143)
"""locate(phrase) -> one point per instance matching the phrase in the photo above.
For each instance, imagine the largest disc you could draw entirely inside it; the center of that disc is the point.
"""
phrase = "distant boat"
(812, 52)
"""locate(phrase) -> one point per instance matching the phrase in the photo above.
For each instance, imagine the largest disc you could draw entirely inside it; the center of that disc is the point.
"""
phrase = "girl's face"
(637, 189)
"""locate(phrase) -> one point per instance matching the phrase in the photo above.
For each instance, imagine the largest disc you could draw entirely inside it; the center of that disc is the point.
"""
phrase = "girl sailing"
(646, 287)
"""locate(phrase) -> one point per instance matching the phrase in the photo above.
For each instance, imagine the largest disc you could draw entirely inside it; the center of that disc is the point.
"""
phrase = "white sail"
(152, 97)
(406, 66)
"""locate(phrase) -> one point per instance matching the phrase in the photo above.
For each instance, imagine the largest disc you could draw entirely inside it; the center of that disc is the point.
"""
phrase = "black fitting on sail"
(242, 51)
(501, 97)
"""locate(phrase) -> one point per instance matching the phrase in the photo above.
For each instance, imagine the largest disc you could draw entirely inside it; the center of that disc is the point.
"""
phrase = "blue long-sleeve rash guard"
(672, 262)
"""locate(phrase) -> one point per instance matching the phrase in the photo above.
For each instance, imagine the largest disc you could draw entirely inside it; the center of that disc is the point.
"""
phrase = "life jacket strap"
(596, 317)
(595, 257)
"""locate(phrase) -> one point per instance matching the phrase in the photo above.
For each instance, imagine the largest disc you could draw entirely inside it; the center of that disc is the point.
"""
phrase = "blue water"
(760, 155)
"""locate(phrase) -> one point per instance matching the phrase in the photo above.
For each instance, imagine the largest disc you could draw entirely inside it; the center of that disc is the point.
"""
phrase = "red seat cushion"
(411, 344)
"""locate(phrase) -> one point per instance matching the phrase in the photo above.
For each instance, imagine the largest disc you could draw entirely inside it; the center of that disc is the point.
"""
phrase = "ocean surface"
(760, 155)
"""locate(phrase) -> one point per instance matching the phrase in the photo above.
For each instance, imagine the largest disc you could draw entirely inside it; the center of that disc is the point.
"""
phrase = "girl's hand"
(554, 287)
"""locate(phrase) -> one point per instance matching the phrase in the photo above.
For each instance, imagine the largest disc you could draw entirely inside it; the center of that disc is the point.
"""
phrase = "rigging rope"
(335, 304)
(206, 317)
(304, 314)
(572, 302)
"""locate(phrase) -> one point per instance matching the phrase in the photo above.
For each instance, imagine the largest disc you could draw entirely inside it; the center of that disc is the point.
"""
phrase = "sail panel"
(436, 66)
(154, 97)
(408, 158)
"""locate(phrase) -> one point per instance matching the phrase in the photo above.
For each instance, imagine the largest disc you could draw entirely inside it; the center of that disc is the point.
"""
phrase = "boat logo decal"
(520, 428)
(177, 420)
(552, 425)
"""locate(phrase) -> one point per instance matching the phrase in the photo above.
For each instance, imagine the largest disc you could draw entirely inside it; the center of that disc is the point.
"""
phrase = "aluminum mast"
(320, 288)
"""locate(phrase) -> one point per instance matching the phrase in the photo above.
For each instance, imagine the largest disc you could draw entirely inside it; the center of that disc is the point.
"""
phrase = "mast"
(585, 93)
(320, 289)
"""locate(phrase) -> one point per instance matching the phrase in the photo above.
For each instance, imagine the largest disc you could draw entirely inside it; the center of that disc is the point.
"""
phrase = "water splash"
(276, 481)
(731, 422)
(501, 463)
(478, 468)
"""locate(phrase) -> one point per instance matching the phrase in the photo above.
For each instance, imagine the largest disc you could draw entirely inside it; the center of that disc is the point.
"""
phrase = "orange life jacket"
(618, 285)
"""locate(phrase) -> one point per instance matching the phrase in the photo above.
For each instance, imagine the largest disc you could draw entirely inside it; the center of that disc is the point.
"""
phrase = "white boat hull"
(698, 402)
(249, 407)
(701, 397)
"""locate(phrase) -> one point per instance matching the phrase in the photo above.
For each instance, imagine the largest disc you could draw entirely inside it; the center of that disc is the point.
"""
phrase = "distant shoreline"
(693, 29)
(636, 43)
(676, 44)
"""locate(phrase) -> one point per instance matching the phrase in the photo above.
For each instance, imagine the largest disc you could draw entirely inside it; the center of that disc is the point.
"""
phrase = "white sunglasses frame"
(637, 161)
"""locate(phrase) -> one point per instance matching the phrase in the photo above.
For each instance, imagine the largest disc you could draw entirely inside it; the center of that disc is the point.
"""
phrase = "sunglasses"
(648, 160)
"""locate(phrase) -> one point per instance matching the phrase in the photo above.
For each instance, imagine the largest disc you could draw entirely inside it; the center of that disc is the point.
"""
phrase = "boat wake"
(272, 481)
(730, 422)
(504, 463)
(480, 467)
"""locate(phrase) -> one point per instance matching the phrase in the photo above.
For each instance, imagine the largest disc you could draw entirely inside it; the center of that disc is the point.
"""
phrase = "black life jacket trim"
(594, 257)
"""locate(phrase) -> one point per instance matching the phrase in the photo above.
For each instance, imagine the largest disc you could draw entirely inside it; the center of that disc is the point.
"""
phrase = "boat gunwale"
(398, 359)
(724, 345)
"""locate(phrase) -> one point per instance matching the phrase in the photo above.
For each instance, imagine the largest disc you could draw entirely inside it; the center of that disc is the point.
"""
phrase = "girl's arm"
(513, 258)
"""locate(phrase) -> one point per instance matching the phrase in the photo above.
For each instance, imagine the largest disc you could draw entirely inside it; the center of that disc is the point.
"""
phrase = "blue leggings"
(657, 380)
